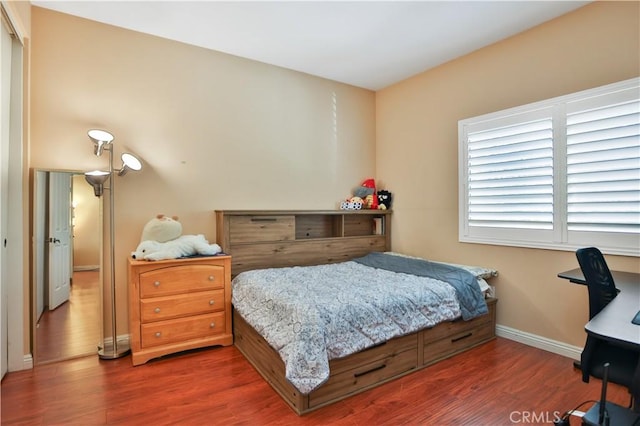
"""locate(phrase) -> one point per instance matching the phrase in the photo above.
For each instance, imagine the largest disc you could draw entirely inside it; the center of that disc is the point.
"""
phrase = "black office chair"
(602, 288)
(624, 362)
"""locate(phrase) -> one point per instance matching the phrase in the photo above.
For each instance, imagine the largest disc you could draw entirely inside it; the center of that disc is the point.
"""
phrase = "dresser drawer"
(244, 229)
(167, 307)
(182, 329)
(180, 279)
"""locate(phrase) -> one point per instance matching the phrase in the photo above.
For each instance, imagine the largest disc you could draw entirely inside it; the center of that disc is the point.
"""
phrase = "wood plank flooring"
(73, 328)
(499, 383)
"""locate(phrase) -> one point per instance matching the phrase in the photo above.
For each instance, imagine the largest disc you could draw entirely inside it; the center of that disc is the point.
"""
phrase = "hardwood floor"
(499, 383)
(72, 329)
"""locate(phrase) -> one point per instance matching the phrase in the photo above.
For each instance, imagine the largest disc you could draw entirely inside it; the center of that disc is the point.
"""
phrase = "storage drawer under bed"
(443, 348)
(367, 368)
(448, 338)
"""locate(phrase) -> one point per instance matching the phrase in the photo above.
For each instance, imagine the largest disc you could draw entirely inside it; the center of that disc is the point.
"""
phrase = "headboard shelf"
(276, 238)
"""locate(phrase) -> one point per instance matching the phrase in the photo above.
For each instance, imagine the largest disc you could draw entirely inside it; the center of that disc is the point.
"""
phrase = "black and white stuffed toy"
(384, 200)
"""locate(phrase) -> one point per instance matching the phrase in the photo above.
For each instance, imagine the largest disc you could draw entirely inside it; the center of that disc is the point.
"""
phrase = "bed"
(385, 335)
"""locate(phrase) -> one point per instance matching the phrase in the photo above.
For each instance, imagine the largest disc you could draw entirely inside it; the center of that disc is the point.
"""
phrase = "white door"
(5, 84)
(59, 238)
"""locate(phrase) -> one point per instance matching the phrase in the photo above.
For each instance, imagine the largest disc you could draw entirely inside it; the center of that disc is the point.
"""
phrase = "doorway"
(66, 326)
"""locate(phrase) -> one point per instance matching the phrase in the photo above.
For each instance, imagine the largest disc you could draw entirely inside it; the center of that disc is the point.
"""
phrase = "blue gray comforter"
(472, 301)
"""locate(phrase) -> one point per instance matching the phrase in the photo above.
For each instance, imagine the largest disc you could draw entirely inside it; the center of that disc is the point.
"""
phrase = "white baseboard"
(539, 342)
(27, 362)
(86, 268)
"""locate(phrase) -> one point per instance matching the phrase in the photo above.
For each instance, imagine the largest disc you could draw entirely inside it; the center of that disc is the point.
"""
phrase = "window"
(562, 173)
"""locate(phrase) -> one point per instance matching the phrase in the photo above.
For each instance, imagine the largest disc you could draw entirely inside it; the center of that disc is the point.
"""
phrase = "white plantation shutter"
(603, 168)
(510, 180)
(561, 173)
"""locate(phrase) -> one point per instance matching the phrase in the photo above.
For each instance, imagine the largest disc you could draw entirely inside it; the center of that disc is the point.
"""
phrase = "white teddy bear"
(162, 229)
(186, 245)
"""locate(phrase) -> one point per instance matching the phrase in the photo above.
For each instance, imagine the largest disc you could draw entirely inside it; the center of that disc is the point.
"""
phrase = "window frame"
(558, 238)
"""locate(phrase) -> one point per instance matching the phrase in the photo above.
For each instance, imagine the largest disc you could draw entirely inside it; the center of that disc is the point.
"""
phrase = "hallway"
(73, 329)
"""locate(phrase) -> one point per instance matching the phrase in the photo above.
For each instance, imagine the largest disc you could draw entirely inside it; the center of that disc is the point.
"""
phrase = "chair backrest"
(600, 283)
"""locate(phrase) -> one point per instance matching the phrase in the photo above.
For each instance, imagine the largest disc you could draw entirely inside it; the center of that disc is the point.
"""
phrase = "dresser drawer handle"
(461, 337)
(158, 334)
(211, 277)
(264, 219)
(157, 284)
(212, 325)
(211, 302)
(156, 310)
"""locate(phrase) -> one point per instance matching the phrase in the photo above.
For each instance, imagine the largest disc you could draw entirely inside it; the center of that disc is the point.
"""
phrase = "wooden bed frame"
(261, 239)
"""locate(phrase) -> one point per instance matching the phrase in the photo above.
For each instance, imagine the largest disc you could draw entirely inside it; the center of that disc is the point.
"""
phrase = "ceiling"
(369, 44)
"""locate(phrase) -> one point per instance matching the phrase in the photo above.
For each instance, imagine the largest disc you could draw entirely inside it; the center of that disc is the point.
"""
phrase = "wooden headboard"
(277, 238)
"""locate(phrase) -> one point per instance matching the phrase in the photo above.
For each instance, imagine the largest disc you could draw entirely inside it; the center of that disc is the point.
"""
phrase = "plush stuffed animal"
(162, 229)
(186, 245)
(367, 191)
(384, 200)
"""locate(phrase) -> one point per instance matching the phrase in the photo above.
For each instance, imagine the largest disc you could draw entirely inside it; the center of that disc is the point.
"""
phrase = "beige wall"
(417, 152)
(214, 131)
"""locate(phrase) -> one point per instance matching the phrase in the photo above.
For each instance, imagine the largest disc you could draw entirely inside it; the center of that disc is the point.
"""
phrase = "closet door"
(5, 103)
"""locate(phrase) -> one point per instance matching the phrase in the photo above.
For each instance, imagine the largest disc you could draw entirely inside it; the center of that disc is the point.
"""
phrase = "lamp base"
(109, 352)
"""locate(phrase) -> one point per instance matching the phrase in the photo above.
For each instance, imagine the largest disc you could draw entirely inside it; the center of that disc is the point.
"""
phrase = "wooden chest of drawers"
(179, 304)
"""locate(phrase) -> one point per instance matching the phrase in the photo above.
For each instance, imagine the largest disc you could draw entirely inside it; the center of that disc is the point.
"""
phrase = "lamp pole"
(113, 351)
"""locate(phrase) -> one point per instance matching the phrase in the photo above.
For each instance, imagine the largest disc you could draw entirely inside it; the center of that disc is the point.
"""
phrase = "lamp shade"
(97, 178)
(100, 135)
(129, 162)
(100, 138)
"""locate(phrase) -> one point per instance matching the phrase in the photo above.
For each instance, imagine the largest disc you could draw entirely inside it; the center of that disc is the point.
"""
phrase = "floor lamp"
(103, 141)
